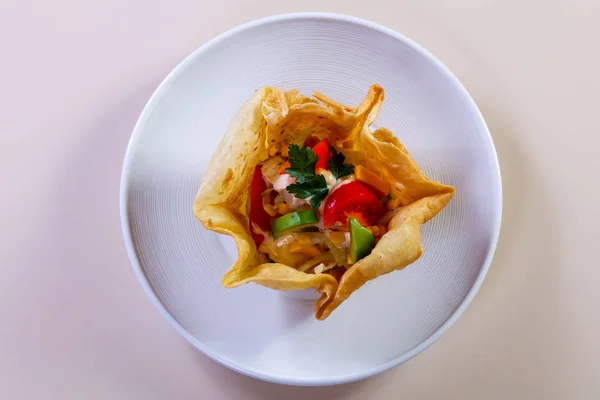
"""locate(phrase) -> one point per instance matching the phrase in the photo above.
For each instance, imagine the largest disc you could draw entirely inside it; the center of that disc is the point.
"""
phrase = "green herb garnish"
(303, 161)
(338, 168)
(308, 184)
(315, 188)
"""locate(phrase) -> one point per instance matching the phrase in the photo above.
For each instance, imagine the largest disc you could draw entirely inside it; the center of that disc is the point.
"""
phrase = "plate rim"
(137, 266)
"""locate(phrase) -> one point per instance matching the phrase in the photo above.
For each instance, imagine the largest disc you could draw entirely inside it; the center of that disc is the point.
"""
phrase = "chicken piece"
(270, 168)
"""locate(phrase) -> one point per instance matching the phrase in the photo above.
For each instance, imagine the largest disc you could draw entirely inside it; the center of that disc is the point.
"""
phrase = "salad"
(311, 210)
(313, 197)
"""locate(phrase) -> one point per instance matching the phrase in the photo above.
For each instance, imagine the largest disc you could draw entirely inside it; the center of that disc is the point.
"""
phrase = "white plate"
(264, 333)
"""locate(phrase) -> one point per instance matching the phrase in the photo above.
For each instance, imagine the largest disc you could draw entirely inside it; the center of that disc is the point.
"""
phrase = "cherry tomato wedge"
(258, 216)
(321, 149)
(352, 199)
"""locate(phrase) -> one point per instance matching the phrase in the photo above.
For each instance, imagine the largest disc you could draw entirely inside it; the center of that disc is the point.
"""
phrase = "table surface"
(75, 323)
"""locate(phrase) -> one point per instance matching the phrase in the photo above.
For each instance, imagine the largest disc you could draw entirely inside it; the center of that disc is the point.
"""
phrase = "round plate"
(265, 333)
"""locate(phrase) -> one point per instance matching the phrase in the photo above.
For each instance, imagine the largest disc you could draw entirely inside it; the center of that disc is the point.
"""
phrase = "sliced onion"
(327, 256)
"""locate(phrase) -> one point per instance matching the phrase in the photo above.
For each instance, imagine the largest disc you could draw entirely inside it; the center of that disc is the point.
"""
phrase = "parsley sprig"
(315, 188)
(338, 168)
(303, 161)
(308, 184)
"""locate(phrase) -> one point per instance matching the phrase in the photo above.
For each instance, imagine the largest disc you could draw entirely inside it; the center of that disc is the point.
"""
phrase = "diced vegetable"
(269, 209)
(283, 208)
(293, 221)
(285, 166)
(379, 185)
(361, 241)
(321, 149)
(352, 199)
(259, 219)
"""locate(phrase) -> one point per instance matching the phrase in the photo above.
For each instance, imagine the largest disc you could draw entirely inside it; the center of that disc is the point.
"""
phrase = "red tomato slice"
(352, 199)
(258, 216)
(321, 149)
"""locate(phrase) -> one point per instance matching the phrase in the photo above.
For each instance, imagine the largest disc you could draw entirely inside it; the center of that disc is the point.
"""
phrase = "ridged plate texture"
(265, 333)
